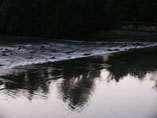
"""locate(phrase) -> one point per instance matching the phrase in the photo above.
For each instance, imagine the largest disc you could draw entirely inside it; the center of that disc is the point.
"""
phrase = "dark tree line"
(68, 18)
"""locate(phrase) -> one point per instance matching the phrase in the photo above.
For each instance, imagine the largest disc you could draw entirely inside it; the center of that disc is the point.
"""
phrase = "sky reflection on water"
(121, 85)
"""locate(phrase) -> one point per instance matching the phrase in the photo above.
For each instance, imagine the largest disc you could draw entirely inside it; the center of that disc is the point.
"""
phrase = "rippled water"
(13, 55)
(121, 85)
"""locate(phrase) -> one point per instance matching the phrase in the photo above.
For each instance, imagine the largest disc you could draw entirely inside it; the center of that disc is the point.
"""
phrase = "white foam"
(27, 54)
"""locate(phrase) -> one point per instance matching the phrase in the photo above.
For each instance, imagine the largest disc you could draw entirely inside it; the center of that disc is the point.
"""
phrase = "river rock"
(42, 47)
(4, 54)
(116, 49)
(87, 54)
(30, 57)
(52, 57)
(109, 50)
(53, 50)
(68, 52)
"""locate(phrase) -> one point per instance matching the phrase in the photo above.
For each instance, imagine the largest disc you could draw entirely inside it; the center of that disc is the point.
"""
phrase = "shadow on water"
(78, 76)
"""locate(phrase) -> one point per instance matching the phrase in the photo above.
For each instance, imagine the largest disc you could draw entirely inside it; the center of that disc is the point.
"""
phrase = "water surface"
(121, 85)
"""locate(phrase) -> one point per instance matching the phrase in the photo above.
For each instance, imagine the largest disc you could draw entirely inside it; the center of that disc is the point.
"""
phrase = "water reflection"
(137, 63)
(77, 78)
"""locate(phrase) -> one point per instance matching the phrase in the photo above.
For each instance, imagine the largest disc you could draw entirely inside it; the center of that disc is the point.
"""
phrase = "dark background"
(71, 18)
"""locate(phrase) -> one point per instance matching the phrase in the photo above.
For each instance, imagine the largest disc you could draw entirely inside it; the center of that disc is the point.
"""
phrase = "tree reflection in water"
(79, 75)
(137, 63)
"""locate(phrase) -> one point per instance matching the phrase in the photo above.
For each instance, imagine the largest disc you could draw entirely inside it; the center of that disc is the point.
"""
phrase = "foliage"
(68, 18)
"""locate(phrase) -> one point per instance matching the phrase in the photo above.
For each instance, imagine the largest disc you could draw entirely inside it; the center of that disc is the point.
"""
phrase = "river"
(118, 85)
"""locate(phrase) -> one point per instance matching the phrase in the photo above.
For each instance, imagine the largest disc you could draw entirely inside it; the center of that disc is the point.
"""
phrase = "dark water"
(121, 85)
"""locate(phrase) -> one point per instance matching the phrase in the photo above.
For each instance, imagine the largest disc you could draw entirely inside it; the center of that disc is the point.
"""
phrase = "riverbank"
(124, 35)
(114, 35)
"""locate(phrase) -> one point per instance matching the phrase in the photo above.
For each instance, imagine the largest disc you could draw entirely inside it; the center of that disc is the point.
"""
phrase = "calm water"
(121, 85)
